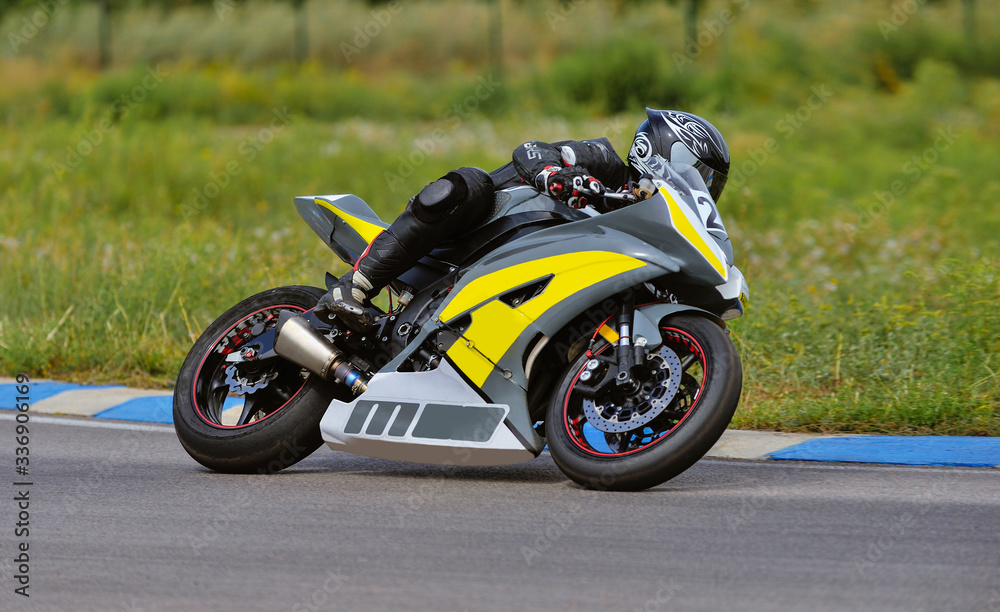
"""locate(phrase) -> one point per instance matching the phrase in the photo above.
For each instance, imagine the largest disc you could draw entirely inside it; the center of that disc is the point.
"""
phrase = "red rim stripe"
(701, 388)
(194, 390)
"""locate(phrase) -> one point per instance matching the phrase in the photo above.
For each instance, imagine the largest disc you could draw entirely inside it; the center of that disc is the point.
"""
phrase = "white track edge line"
(8, 415)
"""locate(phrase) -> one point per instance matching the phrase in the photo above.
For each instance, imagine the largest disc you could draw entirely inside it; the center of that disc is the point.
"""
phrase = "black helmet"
(673, 136)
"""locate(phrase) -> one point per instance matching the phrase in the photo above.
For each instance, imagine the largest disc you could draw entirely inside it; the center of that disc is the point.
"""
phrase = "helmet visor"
(716, 181)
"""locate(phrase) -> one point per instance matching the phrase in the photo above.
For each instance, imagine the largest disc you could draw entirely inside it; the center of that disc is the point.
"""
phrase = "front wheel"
(618, 440)
(239, 416)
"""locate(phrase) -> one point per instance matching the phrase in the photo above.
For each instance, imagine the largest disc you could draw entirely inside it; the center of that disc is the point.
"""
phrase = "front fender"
(649, 319)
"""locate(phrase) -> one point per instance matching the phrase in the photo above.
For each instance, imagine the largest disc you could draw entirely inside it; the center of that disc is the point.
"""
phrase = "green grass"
(870, 311)
(888, 326)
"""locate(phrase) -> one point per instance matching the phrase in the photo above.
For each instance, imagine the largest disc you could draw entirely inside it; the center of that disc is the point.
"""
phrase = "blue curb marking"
(156, 409)
(39, 391)
(962, 451)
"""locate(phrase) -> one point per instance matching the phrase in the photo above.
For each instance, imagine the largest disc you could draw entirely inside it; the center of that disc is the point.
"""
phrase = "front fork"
(628, 354)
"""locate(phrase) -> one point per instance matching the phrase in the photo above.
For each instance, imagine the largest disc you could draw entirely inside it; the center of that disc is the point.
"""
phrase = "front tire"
(278, 424)
(700, 395)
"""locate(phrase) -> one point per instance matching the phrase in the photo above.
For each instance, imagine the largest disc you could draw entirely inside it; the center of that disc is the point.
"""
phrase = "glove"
(570, 185)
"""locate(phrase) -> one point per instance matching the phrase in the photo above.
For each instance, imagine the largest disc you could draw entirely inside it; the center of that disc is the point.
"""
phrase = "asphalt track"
(150, 406)
(122, 519)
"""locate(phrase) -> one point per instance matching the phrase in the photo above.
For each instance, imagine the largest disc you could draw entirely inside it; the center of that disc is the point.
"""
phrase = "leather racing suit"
(453, 206)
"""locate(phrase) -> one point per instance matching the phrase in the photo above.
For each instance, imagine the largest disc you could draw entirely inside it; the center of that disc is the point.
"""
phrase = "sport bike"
(599, 335)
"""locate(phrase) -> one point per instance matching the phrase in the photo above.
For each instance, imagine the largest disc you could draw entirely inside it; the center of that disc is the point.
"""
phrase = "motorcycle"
(601, 336)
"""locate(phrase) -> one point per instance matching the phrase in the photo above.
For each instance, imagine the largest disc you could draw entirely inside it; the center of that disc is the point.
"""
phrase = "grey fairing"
(508, 384)
(590, 234)
(637, 231)
(513, 391)
(334, 231)
(687, 180)
(631, 231)
(495, 442)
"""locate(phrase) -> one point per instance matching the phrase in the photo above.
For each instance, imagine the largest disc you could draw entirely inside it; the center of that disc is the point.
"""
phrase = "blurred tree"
(691, 9)
(301, 31)
(969, 23)
(104, 34)
(496, 37)
(7, 5)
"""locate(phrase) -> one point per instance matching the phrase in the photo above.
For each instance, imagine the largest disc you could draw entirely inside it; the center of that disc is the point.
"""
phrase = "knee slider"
(438, 198)
(459, 188)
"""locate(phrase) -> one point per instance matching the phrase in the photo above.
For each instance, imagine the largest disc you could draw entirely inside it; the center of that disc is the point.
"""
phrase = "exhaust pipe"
(299, 342)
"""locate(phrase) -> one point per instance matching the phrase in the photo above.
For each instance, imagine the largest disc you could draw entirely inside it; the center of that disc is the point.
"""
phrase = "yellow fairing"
(699, 241)
(495, 325)
(468, 353)
(365, 229)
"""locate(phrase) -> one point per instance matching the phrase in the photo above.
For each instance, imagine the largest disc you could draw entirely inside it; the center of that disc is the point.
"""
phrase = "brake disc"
(241, 385)
(653, 397)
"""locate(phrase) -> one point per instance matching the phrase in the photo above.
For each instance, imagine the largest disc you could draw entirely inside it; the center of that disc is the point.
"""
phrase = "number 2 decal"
(707, 211)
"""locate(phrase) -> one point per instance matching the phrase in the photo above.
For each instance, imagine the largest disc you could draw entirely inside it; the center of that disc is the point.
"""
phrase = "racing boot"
(348, 299)
(443, 208)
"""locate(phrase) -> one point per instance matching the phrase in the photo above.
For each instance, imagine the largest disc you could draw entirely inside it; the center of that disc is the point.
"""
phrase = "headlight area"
(737, 292)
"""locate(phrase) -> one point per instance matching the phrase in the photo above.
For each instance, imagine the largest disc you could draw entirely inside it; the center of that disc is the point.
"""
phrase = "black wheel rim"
(589, 439)
(272, 386)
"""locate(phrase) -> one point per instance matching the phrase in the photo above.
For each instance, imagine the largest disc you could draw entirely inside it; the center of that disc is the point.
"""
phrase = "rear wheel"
(686, 395)
(242, 416)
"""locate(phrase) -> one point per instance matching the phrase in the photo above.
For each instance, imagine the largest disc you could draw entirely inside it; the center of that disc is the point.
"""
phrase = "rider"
(569, 171)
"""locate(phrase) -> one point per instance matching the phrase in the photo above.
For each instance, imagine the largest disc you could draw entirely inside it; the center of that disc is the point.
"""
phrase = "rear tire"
(284, 426)
(672, 442)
